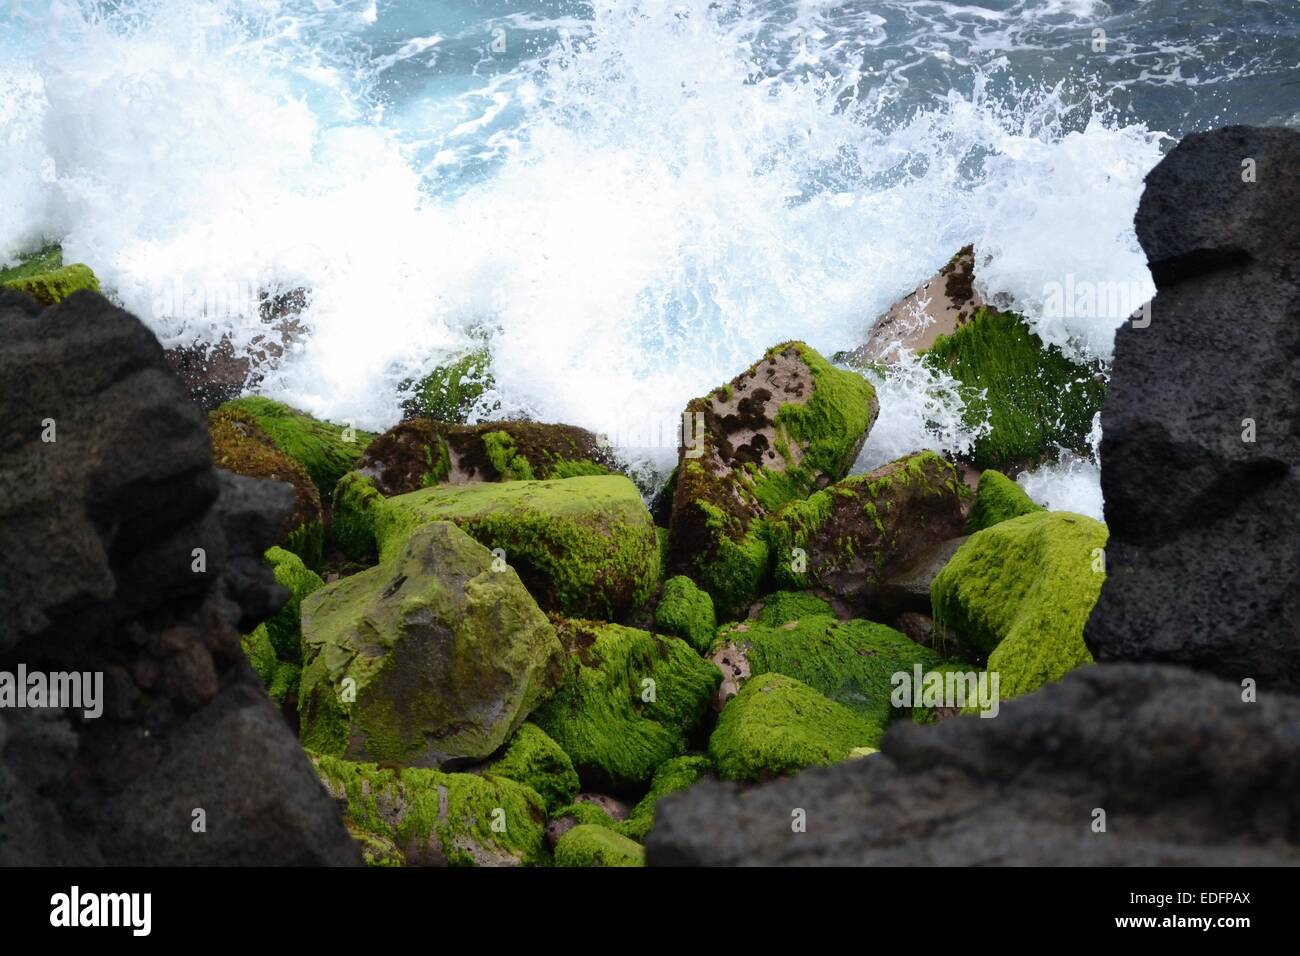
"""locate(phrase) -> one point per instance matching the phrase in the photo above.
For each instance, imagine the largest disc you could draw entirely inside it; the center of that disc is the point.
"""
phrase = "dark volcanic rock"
(1185, 771)
(1204, 549)
(98, 535)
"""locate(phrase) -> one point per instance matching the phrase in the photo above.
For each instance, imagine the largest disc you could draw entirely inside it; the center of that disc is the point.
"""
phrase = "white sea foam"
(656, 198)
(1073, 483)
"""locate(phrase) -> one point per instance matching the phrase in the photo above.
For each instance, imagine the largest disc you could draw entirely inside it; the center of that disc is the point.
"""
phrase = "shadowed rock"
(1204, 525)
(107, 495)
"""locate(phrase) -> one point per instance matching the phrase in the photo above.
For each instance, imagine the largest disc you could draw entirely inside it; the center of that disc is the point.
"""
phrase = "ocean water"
(629, 200)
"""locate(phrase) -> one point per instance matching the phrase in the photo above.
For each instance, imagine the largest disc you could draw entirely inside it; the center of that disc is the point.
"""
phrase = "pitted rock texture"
(123, 552)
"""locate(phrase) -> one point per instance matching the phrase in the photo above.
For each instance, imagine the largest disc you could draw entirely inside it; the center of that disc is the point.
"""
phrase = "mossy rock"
(284, 628)
(777, 725)
(282, 679)
(434, 818)
(434, 657)
(48, 259)
(856, 534)
(849, 662)
(275, 646)
(376, 850)
(45, 278)
(785, 427)
(1031, 396)
(354, 510)
(672, 776)
(997, 499)
(583, 546)
(534, 759)
(422, 452)
(240, 445)
(1021, 591)
(687, 612)
(582, 812)
(629, 701)
(786, 606)
(591, 845)
(326, 451)
(453, 390)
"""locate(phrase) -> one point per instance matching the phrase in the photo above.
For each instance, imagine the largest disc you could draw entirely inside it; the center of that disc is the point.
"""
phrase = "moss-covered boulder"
(787, 426)
(47, 259)
(777, 725)
(583, 546)
(436, 819)
(275, 646)
(326, 451)
(431, 658)
(44, 276)
(1021, 592)
(592, 845)
(783, 607)
(852, 536)
(354, 510)
(47, 288)
(671, 776)
(998, 498)
(454, 389)
(421, 452)
(629, 702)
(1031, 396)
(241, 446)
(534, 759)
(687, 612)
(849, 662)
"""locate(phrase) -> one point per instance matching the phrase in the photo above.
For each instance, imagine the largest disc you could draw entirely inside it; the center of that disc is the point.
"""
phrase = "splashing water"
(632, 200)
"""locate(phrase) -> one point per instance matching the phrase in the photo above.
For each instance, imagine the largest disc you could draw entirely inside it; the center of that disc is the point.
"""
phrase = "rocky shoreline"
(475, 644)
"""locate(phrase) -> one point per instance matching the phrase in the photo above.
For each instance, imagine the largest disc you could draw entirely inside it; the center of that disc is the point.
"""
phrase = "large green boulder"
(434, 656)
(326, 451)
(850, 662)
(584, 546)
(851, 537)
(534, 759)
(590, 844)
(998, 499)
(1032, 398)
(777, 725)
(780, 430)
(419, 817)
(629, 702)
(239, 445)
(1021, 592)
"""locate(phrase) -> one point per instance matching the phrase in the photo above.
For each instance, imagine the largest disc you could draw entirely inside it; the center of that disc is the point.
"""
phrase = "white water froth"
(1073, 482)
(661, 208)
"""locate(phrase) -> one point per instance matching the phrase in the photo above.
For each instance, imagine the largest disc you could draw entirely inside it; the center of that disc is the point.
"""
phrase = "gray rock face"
(1185, 771)
(1204, 551)
(98, 531)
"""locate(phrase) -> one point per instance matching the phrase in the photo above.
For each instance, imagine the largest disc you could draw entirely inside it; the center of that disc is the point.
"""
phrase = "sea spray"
(631, 202)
